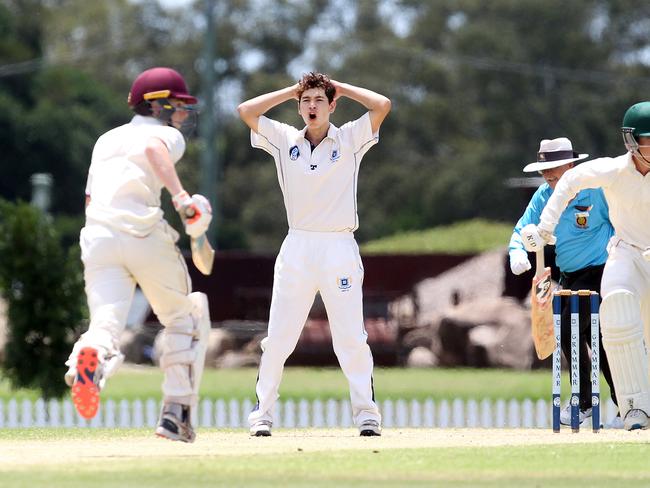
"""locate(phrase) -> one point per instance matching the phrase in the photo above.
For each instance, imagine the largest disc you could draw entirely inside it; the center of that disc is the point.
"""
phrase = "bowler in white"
(318, 169)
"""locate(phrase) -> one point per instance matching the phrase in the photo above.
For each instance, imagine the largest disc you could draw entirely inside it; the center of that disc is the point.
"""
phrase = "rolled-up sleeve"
(268, 136)
(359, 134)
(174, 140)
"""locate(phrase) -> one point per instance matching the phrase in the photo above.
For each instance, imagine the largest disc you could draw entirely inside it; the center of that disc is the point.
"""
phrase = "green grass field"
(133, 382)
(467, 237)
(324, 458)
(97, 458)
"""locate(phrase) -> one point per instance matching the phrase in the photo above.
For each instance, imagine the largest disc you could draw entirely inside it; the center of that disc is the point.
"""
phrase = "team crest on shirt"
(344, 283)
(582, 216)
(335, 155)
(294, 153)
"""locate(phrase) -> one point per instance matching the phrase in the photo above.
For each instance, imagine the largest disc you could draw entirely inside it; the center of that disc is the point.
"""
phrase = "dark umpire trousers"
(584, 279)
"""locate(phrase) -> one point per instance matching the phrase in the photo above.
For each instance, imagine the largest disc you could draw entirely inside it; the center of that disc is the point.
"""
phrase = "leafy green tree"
(475, 85)
(43, 287)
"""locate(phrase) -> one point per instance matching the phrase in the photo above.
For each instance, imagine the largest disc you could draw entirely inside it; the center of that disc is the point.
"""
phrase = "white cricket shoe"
(175, 423)
(565, 415)
(616, 423)
(369, 428)
(261, 428)
(636, 419)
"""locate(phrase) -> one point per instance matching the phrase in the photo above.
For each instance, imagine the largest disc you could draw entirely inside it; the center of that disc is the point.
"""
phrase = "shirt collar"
(331, 132)
(145, 120)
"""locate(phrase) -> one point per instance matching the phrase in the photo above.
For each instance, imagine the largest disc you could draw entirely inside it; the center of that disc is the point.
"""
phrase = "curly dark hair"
(316, 80)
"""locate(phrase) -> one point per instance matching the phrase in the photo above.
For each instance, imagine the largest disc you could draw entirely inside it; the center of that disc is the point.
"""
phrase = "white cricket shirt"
(626, 190)
(123, 188)
(319, 187)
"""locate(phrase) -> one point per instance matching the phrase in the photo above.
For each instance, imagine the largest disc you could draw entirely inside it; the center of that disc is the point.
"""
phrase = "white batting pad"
(622, 330)
(186, 346)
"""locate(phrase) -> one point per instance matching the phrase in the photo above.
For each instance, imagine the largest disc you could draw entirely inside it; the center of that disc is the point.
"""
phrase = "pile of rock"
(460, 318)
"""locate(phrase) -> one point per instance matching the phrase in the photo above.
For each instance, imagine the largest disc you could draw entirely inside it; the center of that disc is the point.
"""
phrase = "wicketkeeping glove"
(195, 212)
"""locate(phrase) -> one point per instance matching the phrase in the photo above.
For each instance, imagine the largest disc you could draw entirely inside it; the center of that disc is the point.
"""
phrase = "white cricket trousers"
(329, 263)
(114, 262)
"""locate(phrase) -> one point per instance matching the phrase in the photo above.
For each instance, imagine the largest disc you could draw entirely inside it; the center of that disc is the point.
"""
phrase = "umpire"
(582, 234)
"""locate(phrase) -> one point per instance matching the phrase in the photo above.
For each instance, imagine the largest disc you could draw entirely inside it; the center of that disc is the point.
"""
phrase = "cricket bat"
(202, 252)
(542, 309)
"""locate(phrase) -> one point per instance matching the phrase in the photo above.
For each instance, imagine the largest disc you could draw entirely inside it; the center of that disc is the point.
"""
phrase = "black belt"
(580, 272)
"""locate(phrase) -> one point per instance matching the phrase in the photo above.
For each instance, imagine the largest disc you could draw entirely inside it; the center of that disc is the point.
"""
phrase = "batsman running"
(581, 251)
(126, 241)
(625, 287)
(317, 169)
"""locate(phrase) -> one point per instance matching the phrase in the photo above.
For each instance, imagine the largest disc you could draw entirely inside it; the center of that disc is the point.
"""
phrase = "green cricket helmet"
(636, 123)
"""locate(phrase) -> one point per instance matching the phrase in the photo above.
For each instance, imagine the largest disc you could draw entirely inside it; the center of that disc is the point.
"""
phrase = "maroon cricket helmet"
(157, 83)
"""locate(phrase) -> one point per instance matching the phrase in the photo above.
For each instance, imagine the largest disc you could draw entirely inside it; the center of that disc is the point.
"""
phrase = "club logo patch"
(294, 153)
(582, 219)
(335, 156)
(344, 283)
(582, 216)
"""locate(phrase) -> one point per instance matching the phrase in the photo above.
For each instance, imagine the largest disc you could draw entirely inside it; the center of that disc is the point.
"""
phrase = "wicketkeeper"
(625, 309)
(126, 241)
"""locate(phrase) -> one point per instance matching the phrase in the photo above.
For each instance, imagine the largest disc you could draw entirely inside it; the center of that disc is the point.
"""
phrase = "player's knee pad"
(187, 344)
(620, 316)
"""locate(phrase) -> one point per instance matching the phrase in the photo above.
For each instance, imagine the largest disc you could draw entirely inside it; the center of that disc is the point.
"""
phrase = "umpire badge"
(344, 283)
(582, 216)
(294, 153)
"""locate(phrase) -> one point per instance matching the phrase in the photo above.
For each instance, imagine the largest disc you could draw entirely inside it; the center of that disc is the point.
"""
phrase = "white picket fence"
(303, 413)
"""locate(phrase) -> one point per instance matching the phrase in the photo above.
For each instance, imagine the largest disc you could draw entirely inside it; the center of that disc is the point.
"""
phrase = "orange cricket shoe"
(85, 393)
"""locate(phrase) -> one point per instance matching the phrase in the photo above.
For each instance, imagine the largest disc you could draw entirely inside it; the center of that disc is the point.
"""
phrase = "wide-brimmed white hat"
(553, 153)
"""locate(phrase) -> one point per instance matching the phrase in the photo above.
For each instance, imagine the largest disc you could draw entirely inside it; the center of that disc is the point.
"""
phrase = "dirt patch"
(214, 443)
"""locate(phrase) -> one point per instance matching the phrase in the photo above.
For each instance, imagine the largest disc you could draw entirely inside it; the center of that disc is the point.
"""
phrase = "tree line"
(475, 86)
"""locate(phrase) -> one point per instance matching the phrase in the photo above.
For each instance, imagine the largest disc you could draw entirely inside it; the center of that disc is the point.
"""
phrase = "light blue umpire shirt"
(582, 232)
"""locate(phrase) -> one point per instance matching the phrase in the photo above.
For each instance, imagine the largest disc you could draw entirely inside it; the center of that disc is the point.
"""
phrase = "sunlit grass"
(468, 237)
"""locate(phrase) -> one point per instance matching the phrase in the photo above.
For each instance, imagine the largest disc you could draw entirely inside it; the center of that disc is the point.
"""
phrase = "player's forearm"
(162, 165)
(592, 174)
(368, 98)
(559, 200)
(252, 109)
(515, 243)
(378, 105)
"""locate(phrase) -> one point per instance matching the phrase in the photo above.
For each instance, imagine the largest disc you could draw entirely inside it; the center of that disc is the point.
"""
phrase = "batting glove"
(535, 239)
(519, 262)
(195, 212)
